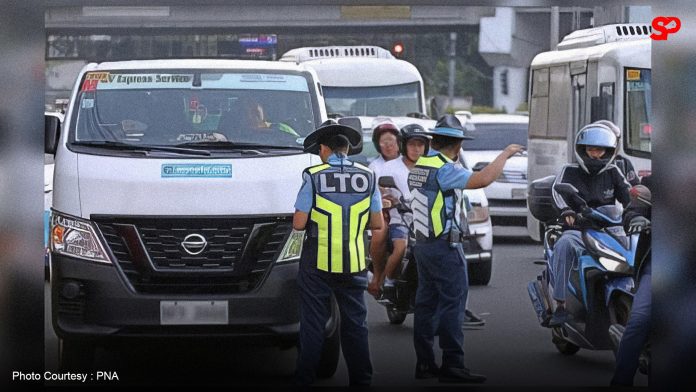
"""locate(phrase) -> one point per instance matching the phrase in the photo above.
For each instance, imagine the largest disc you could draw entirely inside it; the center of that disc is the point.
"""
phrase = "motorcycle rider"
(600, 183)
(385, 137)
(414, 143)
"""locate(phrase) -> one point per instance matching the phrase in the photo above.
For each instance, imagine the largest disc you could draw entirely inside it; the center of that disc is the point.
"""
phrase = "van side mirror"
(51, 133)
(479, 166)
(353, 122)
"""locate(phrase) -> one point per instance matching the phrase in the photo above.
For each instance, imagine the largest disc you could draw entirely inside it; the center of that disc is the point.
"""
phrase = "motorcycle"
(601, 285)
(403, 299)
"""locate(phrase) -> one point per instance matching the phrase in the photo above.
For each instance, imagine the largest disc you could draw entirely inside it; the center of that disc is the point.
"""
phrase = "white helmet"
(596, 134)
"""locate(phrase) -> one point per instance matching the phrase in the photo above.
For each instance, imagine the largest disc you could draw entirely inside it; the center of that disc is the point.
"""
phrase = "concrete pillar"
(516, 87)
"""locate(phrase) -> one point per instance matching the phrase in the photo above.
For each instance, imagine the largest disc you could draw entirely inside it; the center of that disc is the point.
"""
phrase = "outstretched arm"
(491, 172)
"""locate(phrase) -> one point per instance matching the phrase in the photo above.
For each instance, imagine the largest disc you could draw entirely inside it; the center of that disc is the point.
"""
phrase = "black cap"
(328, 129)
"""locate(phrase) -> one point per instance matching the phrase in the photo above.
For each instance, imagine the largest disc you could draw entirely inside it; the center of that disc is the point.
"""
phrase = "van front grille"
(194, 255)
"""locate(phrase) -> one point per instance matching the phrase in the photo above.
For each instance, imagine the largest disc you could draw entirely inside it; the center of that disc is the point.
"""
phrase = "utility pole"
(555, 15)
(452, 63)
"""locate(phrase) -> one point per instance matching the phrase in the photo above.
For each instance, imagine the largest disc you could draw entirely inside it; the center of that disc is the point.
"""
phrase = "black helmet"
(596, 134)
(381, 125)
(411, 131)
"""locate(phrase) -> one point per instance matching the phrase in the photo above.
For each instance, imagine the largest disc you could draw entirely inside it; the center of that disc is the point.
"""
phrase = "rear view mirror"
(479, 166)
(51, 133)
(353, 122)
(386, 182)
(570, 192)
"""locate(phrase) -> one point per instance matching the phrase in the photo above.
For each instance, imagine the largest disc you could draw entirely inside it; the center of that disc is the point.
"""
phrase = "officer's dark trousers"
(636, 333)
(315, 308)
(442, 290)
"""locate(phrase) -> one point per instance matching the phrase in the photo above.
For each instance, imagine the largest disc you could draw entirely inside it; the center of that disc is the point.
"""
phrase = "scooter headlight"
(75, 237)
(610, 259)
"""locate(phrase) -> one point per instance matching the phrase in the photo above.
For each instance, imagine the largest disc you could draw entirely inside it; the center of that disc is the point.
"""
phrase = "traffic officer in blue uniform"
(436, 184)
(334, 205)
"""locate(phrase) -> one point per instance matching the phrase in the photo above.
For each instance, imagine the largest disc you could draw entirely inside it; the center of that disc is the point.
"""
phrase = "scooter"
(601, 284)
(403, 300)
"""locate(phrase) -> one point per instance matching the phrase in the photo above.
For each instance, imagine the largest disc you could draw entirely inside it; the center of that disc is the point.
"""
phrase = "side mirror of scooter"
(571, 192)
(386, 182)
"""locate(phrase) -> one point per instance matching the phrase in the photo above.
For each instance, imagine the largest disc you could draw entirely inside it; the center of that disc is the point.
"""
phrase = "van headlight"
(76, 237)
(293, 247)
(477, 214)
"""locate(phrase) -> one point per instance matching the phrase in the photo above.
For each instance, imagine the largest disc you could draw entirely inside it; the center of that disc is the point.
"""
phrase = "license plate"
(519, 193)
(193, 312)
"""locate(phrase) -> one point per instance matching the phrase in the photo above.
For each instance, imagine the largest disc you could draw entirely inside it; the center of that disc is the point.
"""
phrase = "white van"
(173, 196)
(367, 81)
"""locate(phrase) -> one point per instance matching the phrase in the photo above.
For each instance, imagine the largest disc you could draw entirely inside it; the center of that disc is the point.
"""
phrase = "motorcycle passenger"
(620, 161)
(637, 329)
(436, 185)
(600, 183)
(385, 137)
(334, 198)
(414, 143)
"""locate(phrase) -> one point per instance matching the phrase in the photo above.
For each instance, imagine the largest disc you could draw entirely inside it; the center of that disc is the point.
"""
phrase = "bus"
(364, 80)
(597, 73)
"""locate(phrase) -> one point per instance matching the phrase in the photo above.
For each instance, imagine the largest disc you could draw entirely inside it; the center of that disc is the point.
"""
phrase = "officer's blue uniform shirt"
(305, 196)
(450, 176)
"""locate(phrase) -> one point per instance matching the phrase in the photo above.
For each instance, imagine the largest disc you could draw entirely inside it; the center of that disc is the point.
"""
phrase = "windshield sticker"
(88, 103)
(195, 137)
(180, 170)
(143, 81)
(92, 80)
(632, 74)
(257, 82)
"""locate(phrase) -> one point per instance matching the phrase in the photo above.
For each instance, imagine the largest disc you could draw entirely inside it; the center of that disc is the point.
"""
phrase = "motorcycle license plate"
(193, 312)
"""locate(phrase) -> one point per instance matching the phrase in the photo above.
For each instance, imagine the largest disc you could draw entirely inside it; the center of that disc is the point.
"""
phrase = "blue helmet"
(449, 125)
(597, 134)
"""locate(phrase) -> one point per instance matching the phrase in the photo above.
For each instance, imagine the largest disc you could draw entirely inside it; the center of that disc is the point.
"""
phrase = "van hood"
(240, 186)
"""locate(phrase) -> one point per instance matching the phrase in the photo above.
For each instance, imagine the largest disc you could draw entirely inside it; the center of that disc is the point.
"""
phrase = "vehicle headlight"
(293, 247)
(609, 259)
(76, 237)
(477, 214)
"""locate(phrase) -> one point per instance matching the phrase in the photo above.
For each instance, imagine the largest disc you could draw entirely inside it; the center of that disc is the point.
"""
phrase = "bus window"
(638, 108)
(559, 101)
(539, 108)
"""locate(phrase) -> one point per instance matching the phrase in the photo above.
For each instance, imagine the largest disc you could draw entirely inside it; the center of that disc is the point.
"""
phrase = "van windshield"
(169, 109)
(396, 100)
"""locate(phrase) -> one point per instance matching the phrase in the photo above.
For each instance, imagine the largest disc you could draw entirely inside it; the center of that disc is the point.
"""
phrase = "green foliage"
(485, 109)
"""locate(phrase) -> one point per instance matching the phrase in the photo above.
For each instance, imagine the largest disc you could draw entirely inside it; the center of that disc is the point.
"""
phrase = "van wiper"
(110, 144)
(225, 144)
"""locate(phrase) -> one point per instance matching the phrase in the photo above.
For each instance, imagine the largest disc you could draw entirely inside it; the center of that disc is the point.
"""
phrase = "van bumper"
(91, 300)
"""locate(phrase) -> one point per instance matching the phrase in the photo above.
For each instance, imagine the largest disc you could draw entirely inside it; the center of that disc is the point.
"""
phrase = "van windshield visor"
(170, 109)
(396, 100)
